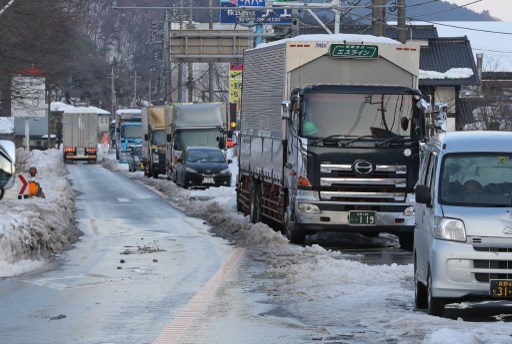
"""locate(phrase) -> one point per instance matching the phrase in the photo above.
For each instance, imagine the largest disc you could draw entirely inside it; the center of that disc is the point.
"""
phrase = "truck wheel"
(255, 207)
(435, 305)
(294, 236)
(406, 241)
(154, 172)
(238, 203)
(420, 291)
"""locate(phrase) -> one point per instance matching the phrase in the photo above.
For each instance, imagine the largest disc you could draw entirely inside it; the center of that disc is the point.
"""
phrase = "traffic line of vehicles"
(335, 136)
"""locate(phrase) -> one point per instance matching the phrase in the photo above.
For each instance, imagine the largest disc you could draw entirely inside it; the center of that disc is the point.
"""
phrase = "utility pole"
(135, 77)
(180, 65)
(166, 56)
(210, 64)
(378, 19)
(113, 76)
(190, 81)
(401, 22)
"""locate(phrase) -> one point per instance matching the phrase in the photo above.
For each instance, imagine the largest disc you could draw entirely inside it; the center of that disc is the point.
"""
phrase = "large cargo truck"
(330, 135)
(128, 129)
(80, 134)
(193, 124)
(153, 140)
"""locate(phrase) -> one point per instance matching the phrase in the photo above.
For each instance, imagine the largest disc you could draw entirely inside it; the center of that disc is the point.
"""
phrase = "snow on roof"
(492, 38)
(339, 37)
(88, 109)
(59, 106)
(131, 111)
(6, 125)
(454, 73)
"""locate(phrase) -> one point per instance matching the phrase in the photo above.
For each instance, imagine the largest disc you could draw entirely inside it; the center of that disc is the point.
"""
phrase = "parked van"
(463, 233)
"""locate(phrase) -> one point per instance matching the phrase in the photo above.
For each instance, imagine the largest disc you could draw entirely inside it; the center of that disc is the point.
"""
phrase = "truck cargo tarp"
(198, 115)
(156, 117)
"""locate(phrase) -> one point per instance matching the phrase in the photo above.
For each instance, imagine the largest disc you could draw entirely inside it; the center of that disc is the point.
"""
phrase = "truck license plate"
(500, 288)
(361, 218)
(208, 180)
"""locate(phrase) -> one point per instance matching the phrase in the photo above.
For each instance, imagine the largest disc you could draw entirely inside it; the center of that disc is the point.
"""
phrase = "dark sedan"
(203, 167)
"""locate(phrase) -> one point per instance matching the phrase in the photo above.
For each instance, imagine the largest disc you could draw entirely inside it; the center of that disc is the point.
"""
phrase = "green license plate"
(361, 218)
(500, 288)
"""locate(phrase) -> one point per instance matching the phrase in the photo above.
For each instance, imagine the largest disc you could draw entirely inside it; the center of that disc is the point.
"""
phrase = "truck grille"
(339, 182)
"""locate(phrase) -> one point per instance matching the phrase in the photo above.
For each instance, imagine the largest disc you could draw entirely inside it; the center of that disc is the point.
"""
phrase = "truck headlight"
(190, 170)
(308, 208)
(450, 229)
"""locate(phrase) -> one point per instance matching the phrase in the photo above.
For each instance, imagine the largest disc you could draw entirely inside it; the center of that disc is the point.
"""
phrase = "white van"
(463, 233)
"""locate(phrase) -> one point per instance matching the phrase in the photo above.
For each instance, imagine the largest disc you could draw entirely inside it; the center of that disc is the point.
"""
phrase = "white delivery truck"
(80, 134)
(330, 133)
(193, 124)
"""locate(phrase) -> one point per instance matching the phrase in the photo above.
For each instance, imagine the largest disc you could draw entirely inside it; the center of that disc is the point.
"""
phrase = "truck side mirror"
(286, 109)
(423, 195)
(169, 137)
(146, 137)
(7, 162)
(222, 143)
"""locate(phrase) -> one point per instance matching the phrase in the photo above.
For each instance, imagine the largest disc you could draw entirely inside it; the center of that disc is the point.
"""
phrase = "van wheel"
(255, 203)
(420, 291)
(435, 304)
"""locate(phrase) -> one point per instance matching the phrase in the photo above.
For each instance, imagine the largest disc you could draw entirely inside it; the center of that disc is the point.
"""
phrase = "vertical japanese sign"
(235, 81)
(235, 86)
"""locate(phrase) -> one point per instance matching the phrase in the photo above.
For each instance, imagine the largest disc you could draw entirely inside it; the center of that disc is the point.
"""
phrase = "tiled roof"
(445, 53)
(418, 32)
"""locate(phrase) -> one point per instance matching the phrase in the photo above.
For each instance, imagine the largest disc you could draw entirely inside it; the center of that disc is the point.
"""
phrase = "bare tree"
(38, 34)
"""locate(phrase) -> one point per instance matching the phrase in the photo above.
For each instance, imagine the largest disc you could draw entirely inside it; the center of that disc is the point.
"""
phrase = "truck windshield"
(131, 131)
(481, 180)
(198, 137)
(159, 138)
(357, 115)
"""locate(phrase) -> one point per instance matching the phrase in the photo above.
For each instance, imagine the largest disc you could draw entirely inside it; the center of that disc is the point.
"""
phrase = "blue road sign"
(251, 3)
(231, 14)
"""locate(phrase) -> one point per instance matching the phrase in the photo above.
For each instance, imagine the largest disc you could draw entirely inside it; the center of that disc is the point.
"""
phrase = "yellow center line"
(198, 303)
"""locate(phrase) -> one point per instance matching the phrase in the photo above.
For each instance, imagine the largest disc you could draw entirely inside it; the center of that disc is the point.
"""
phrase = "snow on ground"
(321, 287)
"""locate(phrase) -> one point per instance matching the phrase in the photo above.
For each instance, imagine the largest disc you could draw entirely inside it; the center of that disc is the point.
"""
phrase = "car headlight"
(449, 229)
(190, 170)
(225, 171)
(308, 208)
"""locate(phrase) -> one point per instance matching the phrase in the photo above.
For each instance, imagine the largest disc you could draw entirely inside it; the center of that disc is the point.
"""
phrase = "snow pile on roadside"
(33, 229)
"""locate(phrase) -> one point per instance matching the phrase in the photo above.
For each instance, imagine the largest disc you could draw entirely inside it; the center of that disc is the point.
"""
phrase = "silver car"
(463, 233)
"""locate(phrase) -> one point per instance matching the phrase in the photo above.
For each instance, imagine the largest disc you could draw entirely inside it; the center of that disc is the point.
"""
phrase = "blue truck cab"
(130, 134)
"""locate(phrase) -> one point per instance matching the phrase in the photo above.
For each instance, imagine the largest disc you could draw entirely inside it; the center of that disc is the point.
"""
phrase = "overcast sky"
(501, 9)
